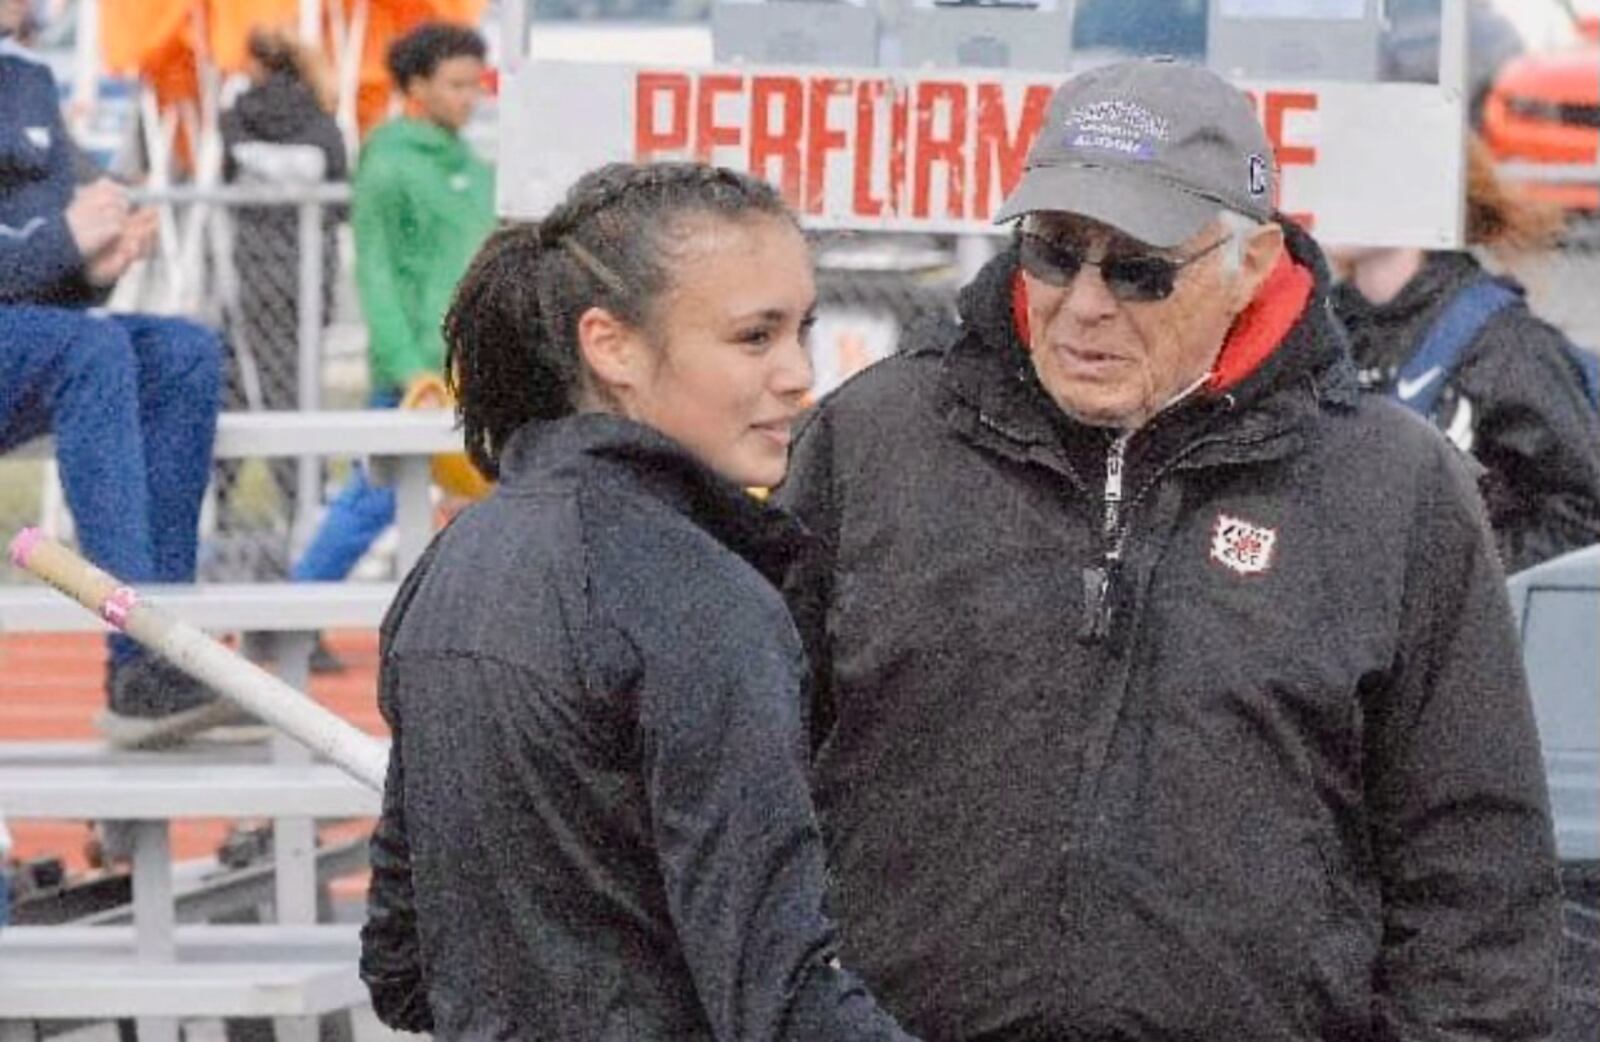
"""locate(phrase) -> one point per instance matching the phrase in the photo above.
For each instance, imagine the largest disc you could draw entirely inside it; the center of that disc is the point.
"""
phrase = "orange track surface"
(51, 685)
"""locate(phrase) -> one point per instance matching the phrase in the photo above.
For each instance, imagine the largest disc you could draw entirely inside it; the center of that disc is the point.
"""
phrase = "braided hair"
(511, 334)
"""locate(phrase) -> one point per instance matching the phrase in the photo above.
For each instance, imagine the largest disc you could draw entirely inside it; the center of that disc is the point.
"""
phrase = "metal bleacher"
(158, 968)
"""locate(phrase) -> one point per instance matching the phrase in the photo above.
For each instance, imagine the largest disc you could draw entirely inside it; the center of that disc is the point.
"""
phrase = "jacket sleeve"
(740, 852)
(324, 133)
(36, 257)
(378, 209)
(37, 254)
(1539, 441)
(391, 952)
(233, 135)
(807, 492)
(1461, 829)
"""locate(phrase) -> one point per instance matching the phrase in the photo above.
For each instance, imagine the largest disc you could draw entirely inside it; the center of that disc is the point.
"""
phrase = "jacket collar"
(1382, 336)
(1269, 385)
(541, 453)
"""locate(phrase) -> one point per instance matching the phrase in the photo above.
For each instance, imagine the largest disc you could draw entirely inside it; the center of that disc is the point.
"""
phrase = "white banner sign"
(1372, 164)
(1352, 10)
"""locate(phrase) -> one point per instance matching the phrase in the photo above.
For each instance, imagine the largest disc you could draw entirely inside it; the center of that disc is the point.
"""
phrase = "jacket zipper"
(1100, 581)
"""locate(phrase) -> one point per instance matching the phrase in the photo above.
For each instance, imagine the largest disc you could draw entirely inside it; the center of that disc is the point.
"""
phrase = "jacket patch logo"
(1241, 546)
(38, 137)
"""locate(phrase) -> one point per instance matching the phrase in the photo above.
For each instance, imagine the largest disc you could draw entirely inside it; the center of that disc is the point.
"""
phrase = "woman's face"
(729, 368)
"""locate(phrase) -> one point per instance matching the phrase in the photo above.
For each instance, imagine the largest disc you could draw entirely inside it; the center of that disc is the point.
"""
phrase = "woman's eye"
(759, 337)
(807, 324)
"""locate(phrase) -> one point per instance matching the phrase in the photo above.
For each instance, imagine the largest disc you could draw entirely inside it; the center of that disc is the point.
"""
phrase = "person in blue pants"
(355, 519)
(423, 201)
(131, 399)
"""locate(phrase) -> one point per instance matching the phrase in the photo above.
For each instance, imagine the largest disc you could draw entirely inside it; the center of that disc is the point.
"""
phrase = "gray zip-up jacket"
(1267, 773)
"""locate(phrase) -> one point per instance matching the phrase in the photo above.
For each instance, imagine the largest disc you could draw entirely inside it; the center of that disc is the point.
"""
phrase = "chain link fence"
(243, 259)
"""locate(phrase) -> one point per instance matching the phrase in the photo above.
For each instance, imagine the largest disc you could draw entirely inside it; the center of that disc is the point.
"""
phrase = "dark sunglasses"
(1133, 278)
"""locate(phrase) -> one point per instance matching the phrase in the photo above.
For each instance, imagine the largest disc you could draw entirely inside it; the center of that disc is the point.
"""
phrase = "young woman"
(1439, 334)
(597, 824)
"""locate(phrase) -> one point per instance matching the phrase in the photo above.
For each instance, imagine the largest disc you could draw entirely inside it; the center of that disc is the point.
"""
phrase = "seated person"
(131, 399)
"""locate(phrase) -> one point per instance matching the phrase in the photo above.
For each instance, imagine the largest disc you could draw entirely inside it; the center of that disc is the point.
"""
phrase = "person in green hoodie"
(423, 201)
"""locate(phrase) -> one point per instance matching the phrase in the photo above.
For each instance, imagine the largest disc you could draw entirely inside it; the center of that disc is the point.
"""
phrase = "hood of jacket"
(1383, 335)
(767, 537)
(278, 110)
(406, 139)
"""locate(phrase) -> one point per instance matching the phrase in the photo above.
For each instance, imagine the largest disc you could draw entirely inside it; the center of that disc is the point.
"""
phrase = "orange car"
(1545, 108)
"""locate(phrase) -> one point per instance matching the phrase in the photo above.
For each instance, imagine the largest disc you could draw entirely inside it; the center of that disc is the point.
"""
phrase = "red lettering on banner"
(782, 144)
(997, 148)
(1279, 102)
(648, 139)
(862, 202)
(899, 136)
(954, 146)
(822, 139)
(949, 150)
(708, 133)
(1276, 105)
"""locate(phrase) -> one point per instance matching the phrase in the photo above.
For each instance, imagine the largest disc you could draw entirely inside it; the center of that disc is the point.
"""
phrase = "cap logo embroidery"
(1242, 546)
(1258, 174)
(1123, 127)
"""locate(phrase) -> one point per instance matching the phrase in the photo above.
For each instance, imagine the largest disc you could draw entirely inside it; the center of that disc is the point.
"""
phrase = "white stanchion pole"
(241, 681)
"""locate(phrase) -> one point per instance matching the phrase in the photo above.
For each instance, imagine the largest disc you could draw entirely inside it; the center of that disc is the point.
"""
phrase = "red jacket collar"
(1262, 326)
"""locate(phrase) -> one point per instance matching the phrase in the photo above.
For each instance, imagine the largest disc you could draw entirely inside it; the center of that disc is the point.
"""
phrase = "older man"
(1166, 686)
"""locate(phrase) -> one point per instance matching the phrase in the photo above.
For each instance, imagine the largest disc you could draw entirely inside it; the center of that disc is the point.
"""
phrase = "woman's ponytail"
(497, 361)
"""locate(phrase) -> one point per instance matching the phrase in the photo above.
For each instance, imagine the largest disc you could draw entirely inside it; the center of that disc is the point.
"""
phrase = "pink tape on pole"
(22, 546)
(117, 605)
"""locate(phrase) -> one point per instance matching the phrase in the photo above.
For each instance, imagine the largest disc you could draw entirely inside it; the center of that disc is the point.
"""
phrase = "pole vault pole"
(238, 679)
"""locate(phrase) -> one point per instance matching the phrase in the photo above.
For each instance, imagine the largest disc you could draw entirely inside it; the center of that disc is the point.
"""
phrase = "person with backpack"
(1459, 346)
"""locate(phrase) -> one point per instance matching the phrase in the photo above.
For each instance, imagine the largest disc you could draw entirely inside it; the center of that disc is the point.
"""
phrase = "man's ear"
(1262, 250)
(611, 351)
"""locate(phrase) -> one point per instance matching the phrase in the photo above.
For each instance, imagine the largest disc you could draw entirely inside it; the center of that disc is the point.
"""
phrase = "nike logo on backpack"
(1409, 389)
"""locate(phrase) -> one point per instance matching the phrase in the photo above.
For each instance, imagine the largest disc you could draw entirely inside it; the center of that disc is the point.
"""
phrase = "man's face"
(12, 14)
(1104, 355)
(450, 94)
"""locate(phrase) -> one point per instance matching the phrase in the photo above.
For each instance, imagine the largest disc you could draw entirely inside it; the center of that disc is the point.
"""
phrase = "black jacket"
(1280, 782)
(1515, 402)
(39, 260)
(596, 823)
(280, 111)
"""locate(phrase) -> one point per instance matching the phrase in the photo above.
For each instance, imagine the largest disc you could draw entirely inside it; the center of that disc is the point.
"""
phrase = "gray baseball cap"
(1153, 148)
